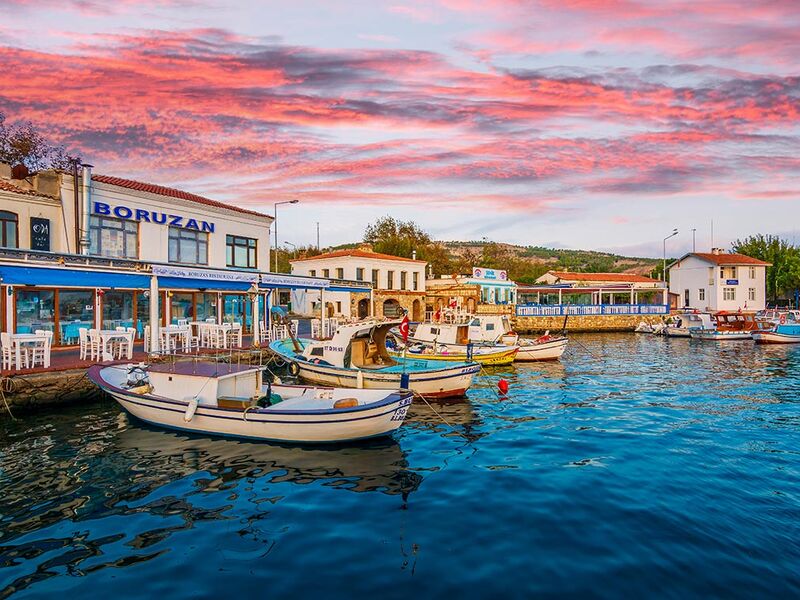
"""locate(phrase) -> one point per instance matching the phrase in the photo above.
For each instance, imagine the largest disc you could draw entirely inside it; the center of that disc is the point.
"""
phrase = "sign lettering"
(149, 216)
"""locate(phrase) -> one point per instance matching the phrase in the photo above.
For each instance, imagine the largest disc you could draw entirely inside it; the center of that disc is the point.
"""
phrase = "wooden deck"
(68, 359)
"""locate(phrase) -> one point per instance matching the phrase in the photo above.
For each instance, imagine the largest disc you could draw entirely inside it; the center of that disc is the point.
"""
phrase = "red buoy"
(502, 385)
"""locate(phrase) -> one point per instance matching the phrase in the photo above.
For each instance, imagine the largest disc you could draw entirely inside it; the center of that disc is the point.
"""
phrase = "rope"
(445, 421)
(7, 382)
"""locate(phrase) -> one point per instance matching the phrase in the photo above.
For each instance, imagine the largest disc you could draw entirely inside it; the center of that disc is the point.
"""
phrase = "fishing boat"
(731, 326)
(683, 324)
(491, 331)
(357, 357)
(231, 400)
(787, 331)
(494, 356)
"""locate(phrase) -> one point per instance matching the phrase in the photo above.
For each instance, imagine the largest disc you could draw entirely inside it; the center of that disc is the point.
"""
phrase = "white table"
(106, 335)
(18, 339)
(182, 332)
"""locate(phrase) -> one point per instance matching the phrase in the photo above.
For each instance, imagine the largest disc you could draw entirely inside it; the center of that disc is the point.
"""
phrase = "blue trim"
(63, 277)
(197, 284)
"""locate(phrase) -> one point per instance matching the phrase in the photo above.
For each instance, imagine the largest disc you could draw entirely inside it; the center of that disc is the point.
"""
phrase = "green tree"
(784, 274)
(22, 143)
(403, 238)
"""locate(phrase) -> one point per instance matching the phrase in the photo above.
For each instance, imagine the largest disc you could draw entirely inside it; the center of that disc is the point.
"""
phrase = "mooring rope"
(436, 412)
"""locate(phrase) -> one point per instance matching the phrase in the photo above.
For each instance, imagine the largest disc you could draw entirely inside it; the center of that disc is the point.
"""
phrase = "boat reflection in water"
(377, 466)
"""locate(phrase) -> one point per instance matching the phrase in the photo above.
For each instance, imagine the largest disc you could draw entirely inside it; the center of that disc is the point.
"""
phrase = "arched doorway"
(416, 311)
(392, 309)
(363, 308)
(329, 310)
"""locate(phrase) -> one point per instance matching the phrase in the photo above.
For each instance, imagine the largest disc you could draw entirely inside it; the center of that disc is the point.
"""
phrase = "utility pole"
(694, 249)
(317, 236)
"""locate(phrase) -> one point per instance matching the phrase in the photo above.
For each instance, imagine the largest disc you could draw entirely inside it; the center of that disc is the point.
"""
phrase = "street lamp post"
(294, 248)
(275, 220)
(664, 263)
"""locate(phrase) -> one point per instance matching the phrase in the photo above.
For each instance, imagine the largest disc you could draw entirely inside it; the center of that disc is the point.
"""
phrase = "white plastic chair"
(40, 352)
(95, 345)
(9, 357)
(147, 338)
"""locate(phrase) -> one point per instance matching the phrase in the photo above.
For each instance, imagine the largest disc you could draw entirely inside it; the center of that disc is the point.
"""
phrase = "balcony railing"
(560, 310)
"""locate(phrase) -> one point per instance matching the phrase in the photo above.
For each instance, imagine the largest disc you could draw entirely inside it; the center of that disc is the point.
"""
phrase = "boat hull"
(721, 336)
(445, 383)
(551, 350)
(773, 337)
(325, 426)
(495, 358)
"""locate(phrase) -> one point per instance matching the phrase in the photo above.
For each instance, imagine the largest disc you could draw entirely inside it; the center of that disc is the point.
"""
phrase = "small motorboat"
(787, 331)
(231, 400)
(683, 324)
(731, 326)
(357, 357)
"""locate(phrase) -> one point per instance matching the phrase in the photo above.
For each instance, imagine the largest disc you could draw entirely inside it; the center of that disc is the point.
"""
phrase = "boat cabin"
(442, 333)
(212, 384)
(698, 320)
(489, 328)
(735, 321)
(362, 345)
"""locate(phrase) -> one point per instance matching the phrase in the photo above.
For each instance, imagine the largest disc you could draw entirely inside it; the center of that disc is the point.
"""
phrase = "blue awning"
(188, 283)
(62, 277)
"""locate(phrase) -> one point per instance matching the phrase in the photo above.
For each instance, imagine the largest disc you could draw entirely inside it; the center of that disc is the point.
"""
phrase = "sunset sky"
(593, 124)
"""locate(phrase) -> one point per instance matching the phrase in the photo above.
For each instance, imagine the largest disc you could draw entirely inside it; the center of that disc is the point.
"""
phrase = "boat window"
(317, 351)
(475, 323)
(434, 331)
(490, 327)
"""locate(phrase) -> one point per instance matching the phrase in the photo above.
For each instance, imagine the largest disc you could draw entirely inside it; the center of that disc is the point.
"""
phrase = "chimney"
(716, 251)
(413, 255)
(86, 208)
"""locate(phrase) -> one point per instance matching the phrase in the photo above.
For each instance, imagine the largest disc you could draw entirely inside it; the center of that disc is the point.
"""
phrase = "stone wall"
(584, 323)
(54, 387)
(404, 298)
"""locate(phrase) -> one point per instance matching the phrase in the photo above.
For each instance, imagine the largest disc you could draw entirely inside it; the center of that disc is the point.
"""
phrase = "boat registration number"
(402, 409)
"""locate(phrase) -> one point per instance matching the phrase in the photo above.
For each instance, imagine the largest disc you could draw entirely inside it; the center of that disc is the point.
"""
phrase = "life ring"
(294, 369)
(783, 320)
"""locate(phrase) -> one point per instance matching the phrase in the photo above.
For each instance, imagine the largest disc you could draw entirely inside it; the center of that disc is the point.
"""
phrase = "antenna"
(712, 234)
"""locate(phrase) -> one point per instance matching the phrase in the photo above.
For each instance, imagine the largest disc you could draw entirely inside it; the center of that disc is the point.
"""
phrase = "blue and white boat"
(231, 400)
(356, 357)
(786, 331)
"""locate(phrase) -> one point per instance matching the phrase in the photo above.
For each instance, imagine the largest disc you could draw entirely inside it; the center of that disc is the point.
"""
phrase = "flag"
(404, 328)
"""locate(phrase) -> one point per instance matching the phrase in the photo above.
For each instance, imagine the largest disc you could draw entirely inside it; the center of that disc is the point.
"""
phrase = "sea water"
(635, 466)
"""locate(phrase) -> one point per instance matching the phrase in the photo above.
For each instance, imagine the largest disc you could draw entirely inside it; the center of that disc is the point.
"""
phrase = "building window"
(8, 229)
(403, 277)
(359, 274)
(313, 272)
(701, 294)
(729, 293)
(374, 277)
(751, 294)
(338, 307)
(113, 238)
(326, 273)
(188, 247)
(340, 274)
(752, 272)
(389, 280)
(415, 278)
(241, 252)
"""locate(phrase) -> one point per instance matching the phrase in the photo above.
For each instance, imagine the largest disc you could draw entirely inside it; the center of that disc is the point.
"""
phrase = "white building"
(101, 256)
(718, 280)
(398, 284)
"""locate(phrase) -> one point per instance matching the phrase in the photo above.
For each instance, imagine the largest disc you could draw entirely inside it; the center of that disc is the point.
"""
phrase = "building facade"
(719, 280)
(398, 284)
(465, 293)
(103, 252)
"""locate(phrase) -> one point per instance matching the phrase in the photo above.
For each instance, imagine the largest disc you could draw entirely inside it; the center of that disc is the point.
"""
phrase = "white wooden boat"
(490, 355)
(731, 326)
(545, 347)
(720, 336)
(683, 324)
(356, 357)
(230, 400)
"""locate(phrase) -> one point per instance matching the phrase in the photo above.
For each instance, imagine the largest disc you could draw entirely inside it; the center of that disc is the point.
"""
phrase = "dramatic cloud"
(569, 103)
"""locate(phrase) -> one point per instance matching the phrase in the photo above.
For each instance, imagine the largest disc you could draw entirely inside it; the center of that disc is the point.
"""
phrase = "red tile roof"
(620, 277)
(730, 258)
(171, 192)
(358, 254)
(7, 186)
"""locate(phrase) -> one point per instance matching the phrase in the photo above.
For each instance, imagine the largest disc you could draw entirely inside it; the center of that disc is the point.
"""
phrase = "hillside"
(526, 263)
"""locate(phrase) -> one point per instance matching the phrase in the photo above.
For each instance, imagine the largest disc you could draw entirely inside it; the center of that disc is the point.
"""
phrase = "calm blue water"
(638, 465)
